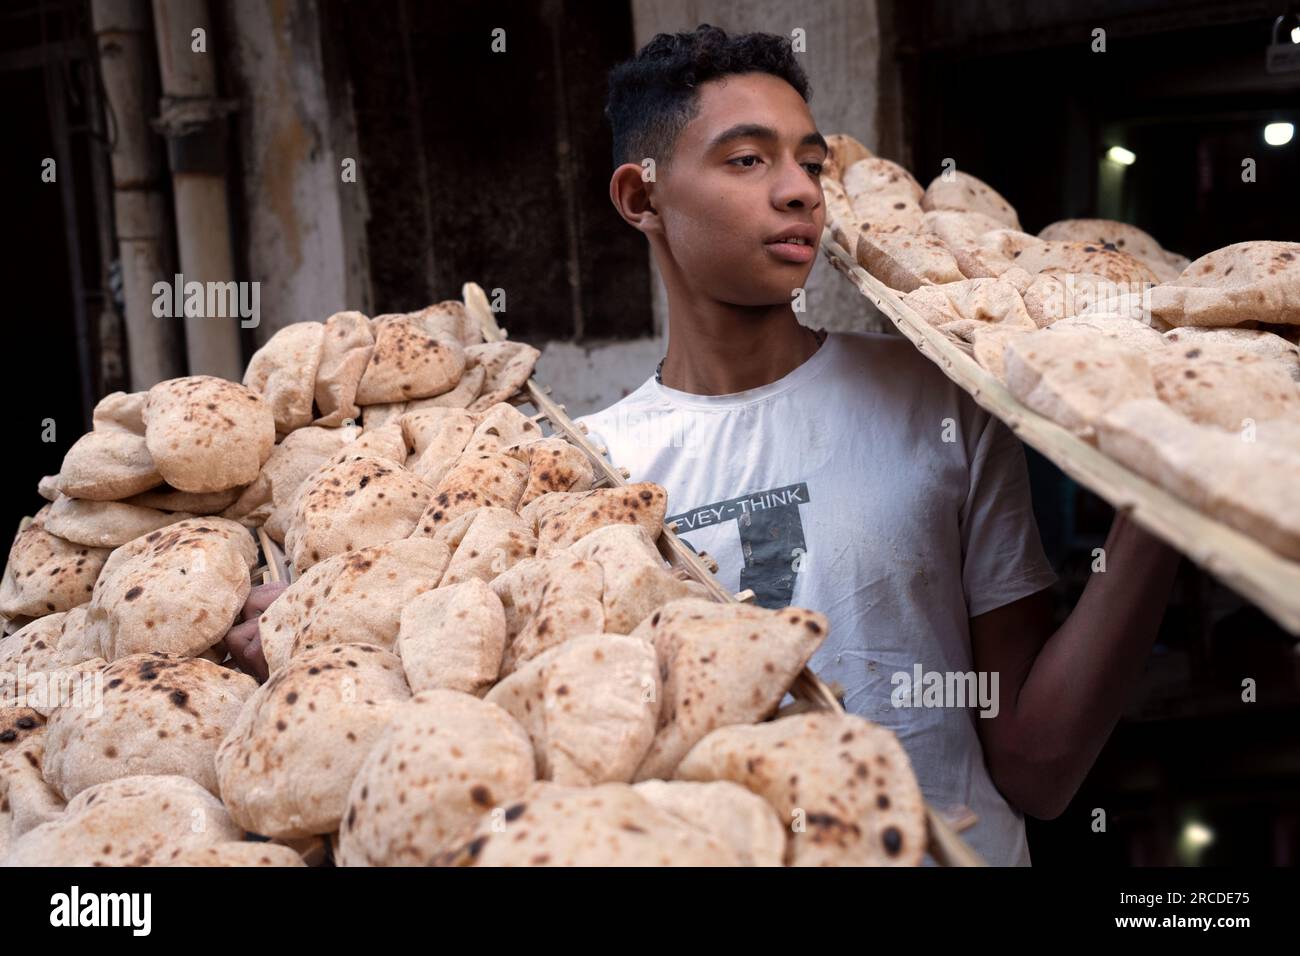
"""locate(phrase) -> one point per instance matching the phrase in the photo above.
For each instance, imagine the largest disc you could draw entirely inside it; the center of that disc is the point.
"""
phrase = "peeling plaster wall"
(293, 198)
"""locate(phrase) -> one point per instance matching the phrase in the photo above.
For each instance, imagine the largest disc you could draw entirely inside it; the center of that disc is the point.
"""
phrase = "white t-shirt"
(867, 486)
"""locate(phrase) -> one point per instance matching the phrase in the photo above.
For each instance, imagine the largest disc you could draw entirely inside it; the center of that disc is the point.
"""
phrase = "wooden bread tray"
(1254, 571)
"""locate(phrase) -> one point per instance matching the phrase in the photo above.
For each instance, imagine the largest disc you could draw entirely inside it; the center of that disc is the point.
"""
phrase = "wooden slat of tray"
(1254, 571)
(945, 846)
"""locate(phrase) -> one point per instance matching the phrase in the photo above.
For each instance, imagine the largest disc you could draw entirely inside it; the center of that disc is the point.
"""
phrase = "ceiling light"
(1118, 154)
(1278, 134)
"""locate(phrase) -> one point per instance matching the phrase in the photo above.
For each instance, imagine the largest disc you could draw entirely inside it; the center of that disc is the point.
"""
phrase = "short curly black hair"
(656, 93)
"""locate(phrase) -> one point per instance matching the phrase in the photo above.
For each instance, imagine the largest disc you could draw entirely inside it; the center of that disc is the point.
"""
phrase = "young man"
(844, 472)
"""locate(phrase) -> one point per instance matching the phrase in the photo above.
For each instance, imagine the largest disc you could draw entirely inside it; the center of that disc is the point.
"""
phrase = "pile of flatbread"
(482, 658)
(1186, 372)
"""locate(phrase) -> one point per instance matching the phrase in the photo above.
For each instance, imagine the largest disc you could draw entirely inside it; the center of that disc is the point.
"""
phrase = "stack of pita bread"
(482, 657)
(1186, 372)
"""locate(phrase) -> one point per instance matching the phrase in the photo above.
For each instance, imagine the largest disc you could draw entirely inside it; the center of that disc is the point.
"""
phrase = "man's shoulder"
(638, 399)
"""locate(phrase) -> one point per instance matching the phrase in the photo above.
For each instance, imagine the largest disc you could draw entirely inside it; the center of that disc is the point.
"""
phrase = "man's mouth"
(794, 249)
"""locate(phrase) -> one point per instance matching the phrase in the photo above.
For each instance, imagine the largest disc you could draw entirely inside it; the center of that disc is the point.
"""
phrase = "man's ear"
(632, 193)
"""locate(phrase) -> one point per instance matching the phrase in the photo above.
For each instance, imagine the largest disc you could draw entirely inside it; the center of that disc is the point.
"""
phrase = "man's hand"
(244, 641)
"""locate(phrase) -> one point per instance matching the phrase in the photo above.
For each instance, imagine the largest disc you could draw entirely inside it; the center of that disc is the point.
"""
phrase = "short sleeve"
(1002, 554)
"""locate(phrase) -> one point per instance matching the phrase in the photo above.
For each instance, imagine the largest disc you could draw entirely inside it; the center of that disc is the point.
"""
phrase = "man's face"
(744, 173)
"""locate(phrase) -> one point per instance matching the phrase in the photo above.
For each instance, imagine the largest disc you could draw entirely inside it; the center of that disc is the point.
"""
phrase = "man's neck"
(721, 350)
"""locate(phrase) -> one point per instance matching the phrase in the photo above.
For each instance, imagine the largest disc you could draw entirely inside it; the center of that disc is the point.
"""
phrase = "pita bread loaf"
(48, 487)
(133, 821)
(906, 260)
(46, 573)
(26, 800)
(520, 588)
(77, 642)
(207, 434)
(35, 648)
(352, 505)
(159, 715)
(1260, 342)
(1223, 386)
(500, 427)
(246, 853)
(467, 389)
(506, 365)
(286, 766)
(104, 524)
(408, 362)
(567, 604)
(561, 518)
(1072, 377)
(987, 346)
(1248, 485)
(1125, 238)
(387, 442)
(883, 194)
(449, 320)
(484, 543)
(589, 706)
(444, 760)
(345, 353)
(839, 209)
(1244, 282)
(474, 480)
(635, 578)
(283, 371)
(727, 811)
(961, 192)
(842, 152)
(453, 637)
(987, 301)
(108, 465)
(353, 597)
(438, 435)
(120, 411)
(175, 590)
(268, 502)
(1128, 274)
(959, 228)
(721, 664)
(847, 780)
(166, 498)
(608, 825)
(1126, 331)
(555, 465)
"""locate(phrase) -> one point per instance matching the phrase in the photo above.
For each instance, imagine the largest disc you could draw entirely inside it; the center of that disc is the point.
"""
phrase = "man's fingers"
(260, 598)
(257, 661)
(239, 637)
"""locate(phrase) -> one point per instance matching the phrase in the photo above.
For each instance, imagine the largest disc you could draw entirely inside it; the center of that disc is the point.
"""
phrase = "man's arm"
(1061, 694)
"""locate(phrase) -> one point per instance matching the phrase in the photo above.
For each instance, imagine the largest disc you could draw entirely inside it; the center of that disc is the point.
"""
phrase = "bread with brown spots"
(445, 759)
(450, 320)
(159, 714)
(207, 434)
(467, 389)
(568, 604)
(17, 722)
(453, 637)
(408, 363)
(46, 574)
(905, 260)
(345, 353)
(501, 426)
(245, 853)
(555, 465)
(475, 480)
(725, 810)
(353, 597)
(1224, 386)
(134, 821)
(842, 152)
(104, 524)
(958, 191)
(484, 543)
(283, 371)
(721, 664)
(561, 518)
(167, 498)
(285, 767)
(108, 465)
(987, 301)
(1260, 342)
(35, 647)
(636, 580)
(1244, 282)
(352, 505)
(438, 436)
(26, 800)
(506, 366)
(606, 825)
(841, 784)
(1127, 239)
(175, 590)
(589, 706)
(267, 502)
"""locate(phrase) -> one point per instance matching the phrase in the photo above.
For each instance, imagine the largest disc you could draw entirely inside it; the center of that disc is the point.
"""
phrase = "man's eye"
(741, 160)
(814, 168)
